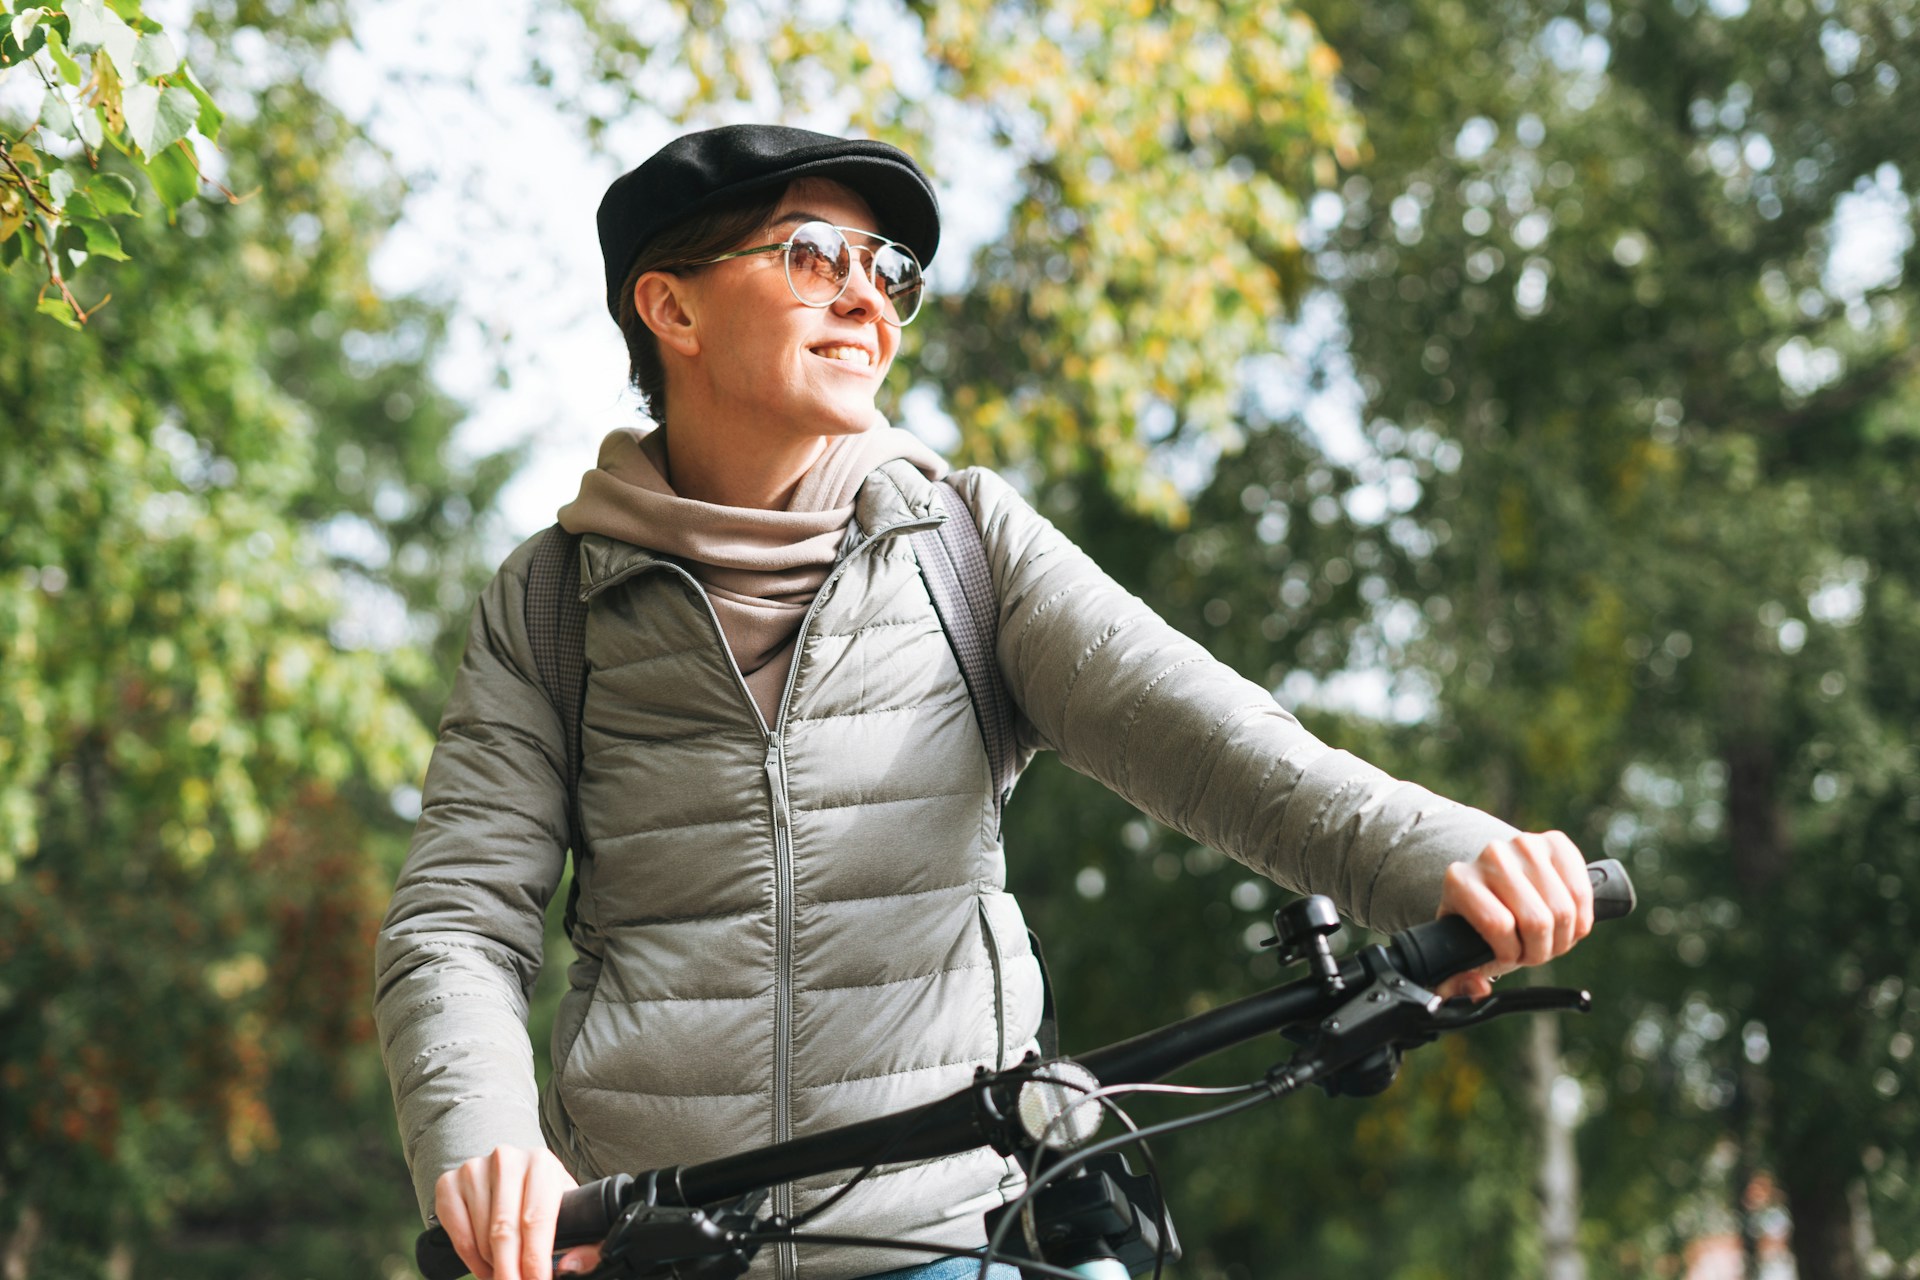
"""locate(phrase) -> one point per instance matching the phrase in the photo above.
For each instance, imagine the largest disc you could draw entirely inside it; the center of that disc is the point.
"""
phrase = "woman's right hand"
(499, 1211)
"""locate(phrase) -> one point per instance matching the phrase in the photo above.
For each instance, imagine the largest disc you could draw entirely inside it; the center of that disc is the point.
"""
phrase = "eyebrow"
(800, 215)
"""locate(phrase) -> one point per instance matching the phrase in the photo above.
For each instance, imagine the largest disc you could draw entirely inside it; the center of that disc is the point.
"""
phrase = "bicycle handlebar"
(1434, 951)
(1425, 954)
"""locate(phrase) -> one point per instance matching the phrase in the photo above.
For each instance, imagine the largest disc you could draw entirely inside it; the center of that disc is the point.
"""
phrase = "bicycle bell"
(1055, 1090)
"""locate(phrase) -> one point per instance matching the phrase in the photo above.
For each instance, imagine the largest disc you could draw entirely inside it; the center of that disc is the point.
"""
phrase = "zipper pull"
(775, 781)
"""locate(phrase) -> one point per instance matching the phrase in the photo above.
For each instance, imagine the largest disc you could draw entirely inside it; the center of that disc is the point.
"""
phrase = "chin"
(847, 419)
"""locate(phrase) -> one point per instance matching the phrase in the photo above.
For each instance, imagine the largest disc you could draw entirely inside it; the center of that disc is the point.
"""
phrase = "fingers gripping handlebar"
(586, 1213)
(1426, 955)
(1432, 952)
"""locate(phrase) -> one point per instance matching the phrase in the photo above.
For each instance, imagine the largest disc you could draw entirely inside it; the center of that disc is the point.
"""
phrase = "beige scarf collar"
(761, 569)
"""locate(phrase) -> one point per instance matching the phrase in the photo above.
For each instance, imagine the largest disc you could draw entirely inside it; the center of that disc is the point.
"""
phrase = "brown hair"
(682, 247)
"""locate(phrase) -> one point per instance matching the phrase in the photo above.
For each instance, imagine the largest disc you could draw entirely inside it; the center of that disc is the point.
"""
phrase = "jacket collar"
(895, 493)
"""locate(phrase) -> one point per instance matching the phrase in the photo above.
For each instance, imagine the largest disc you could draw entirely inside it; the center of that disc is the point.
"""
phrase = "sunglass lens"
(898, 275)
(818, 263)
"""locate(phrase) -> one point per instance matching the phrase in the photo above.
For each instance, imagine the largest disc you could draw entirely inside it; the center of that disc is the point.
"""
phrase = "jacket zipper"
(787, 1262)
(783, 975)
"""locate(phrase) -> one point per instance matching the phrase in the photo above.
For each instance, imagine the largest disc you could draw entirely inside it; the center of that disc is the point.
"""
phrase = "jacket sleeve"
(461, 944)
(1130, 701)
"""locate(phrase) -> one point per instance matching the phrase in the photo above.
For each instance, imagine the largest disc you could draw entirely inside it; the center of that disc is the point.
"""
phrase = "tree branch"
(54, 276)
(26, 184)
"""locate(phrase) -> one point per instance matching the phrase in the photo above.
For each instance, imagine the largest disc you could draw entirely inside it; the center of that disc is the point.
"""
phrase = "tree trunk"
(1823, 1223)
(19, 1246)
(1808, 1169)
(1860, 1209)
(1559, 1174)
(1756, 822)
(1742, 1177)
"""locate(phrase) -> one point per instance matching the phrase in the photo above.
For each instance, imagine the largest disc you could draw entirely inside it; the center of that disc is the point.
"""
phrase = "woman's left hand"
(1529, 897)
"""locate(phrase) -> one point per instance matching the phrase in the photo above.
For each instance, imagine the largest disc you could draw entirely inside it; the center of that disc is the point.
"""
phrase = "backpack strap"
(557, 632)
(953, 560)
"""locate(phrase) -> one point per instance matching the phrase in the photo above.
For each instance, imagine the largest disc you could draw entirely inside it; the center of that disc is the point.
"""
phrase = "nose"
(862, 298)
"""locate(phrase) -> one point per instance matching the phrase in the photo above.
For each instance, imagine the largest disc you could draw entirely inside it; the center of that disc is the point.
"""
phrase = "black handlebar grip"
(1436, 950)
(433, 1254)
(587, 1212)
(1613, 894)
(586, 1215)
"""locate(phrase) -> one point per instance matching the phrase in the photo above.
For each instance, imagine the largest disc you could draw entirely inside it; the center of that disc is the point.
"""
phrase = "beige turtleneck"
(761, 569)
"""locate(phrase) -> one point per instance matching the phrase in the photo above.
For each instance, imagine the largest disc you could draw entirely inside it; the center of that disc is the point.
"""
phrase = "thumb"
(1475, 984)
(578, 1260)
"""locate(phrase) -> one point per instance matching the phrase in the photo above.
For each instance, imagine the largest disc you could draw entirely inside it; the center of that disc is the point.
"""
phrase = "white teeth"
(852, 355)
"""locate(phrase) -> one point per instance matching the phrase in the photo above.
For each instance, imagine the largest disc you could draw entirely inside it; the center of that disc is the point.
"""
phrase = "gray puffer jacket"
(783, 929)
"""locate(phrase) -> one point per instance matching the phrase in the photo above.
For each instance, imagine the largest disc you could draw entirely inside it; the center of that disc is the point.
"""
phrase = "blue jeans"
(951, 1269)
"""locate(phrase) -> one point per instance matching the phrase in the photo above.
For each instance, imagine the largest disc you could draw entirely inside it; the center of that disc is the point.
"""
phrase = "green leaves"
(211, 117)
(23, 24)
(155, 55)
(1623, 619)
(114, 82)
(24, 36)
(63, 62)
(194, 766)
(1153, 242)
(112, 195)
(60, 311)
(93, 25)
(55, 115)
(157, 118)
(102, 240)
(174, 178)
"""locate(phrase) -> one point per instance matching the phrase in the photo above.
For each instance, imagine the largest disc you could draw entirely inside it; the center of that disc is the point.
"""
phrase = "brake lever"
(1356, 1050)
(1462, 1011)
(653, 1240)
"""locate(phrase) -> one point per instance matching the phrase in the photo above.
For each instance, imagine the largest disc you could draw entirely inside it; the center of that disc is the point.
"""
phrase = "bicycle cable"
(908, 1130)
(1102, 1096)
(893, 1144)
(1265, 1091)
(1025, 1214)
(1122, 1090)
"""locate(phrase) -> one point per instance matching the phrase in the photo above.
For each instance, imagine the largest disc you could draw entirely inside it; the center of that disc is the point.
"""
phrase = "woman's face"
(793, 368)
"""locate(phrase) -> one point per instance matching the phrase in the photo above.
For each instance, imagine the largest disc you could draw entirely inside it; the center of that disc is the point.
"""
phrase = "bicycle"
(1084, 1214)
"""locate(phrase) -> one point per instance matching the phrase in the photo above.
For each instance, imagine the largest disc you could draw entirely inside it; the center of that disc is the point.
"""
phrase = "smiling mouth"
(859, 357)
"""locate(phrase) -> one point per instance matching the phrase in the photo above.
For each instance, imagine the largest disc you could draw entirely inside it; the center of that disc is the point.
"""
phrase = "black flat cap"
(702, 171)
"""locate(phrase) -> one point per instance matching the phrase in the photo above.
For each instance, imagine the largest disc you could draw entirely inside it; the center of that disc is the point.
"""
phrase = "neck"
(733, 469)
(736, 456)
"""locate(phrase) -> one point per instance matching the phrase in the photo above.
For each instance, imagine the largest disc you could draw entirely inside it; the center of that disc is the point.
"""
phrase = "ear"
(665, 305)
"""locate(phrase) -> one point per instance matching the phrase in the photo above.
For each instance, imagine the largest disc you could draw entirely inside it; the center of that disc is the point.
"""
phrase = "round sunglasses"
(820, 263)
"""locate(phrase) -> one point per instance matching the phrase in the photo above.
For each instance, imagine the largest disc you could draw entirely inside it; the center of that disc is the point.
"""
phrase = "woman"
(791, 911)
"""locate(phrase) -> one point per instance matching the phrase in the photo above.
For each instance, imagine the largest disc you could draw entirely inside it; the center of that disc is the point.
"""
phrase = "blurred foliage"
(230, 550)
(1624, 542)
(1632, 521)
(112, 81)
(1668, 607)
